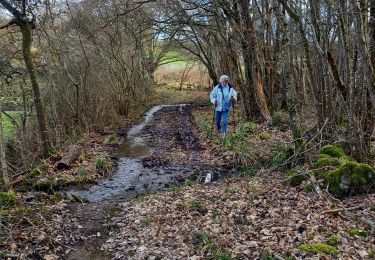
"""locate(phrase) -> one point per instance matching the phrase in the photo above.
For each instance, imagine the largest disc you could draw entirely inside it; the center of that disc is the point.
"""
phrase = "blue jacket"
(217, 95)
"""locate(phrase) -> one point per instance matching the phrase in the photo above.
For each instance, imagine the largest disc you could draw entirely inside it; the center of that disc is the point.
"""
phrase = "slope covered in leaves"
(243, 218)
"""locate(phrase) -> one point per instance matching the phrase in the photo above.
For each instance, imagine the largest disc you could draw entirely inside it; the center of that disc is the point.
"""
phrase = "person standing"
(223, 96)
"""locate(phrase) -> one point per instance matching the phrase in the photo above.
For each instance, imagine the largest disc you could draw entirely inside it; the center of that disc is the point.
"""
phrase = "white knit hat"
(224, 77)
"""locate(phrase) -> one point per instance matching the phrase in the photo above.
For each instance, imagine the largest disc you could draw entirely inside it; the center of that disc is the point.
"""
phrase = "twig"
(302, 152)
(69, 247)
(341, 209)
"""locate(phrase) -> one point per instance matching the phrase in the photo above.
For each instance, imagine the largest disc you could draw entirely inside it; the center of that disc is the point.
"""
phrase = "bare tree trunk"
(26, 30)
(314, 83)
(286, 65)
(363, 145)
(4, 174)
(252, 66)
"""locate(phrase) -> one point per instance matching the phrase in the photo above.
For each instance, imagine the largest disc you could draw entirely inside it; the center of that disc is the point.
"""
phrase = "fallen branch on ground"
(340, 210)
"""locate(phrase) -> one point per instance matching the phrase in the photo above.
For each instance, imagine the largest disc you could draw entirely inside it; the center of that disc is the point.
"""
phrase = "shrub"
(29, 179)
(7, 199)
(45, 185)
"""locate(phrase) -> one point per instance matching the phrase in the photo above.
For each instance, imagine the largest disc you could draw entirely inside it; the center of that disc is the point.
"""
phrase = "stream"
(161, 152)
(132, 178)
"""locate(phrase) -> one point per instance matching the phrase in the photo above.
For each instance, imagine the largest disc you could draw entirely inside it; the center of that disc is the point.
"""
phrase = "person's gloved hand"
(215, 104)
(232, 100)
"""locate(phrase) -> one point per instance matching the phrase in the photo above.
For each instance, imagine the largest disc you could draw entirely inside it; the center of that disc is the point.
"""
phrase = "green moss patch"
(319, 248)
(324, 160)
(346, 176)
(294, 178)
(351, 177)
(358, 233)
(7, 199)
(333, 240)
(30, 177)
(53, 184)
(309, 187)
(333, 151)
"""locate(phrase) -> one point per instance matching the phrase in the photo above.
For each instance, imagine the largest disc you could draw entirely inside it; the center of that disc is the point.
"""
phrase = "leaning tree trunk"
(26, 30)
(4, 174)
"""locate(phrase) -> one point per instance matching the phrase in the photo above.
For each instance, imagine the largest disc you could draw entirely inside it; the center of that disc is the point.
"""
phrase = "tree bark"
(252, 67)
(4, 174)
(26, 30)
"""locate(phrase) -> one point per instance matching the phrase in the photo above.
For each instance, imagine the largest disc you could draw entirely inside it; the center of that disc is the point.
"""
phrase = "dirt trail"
(244, 218)
(157, 154)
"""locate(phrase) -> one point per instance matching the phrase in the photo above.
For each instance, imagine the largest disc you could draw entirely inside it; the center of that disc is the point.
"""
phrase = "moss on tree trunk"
(26, 30)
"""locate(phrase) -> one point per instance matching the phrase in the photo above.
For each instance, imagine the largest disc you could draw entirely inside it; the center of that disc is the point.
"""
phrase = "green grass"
(7, 199)
(319, 248)
(180, 62)
(8, 127)
(197, 205)
(359, 233)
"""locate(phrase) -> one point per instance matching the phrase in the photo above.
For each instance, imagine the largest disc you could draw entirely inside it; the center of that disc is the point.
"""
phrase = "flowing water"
(131, 177)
